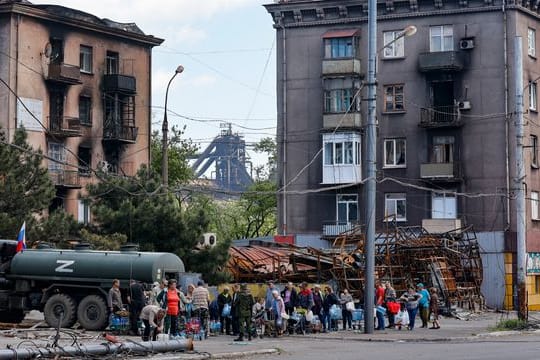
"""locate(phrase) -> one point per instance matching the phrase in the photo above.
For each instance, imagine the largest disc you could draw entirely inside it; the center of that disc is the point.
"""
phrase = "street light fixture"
(371, 159)
(165, 134)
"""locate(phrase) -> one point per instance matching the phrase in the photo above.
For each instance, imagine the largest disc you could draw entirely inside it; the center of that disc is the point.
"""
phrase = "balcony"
(450, 61)
(449, 171)
(125, 134)
(337, 228)
(342, 120)
(440, 117)
(65, 127)
(65, 179)
(119, 83)
(440, 226)
(341, 67)
(64, 74)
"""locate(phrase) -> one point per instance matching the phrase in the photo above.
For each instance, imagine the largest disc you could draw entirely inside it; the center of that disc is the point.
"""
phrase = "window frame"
(446, 198)
(56, 151)
(89, 56)
(112, 63)
(395, 94)
(531, 42)
(394, 199)
(85, 217)
(442, 36)
(396, 49)
(353, 200)
(341, 152)
(333, 47)
(535, 202)
(533, 96)
(83, 99)
(394, 163)
(338, 101)
(534, 151)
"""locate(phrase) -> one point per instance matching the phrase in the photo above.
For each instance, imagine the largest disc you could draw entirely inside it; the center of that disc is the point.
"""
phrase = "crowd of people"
(167, 309)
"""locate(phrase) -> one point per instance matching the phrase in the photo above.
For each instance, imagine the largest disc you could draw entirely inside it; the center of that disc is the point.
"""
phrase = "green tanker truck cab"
(72, 285)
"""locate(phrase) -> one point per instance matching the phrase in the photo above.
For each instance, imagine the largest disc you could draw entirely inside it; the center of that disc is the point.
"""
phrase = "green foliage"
(269, 171)
(25, 187)
(254, 215)
(103, 242)
(139, 209)
(511, 324)
(57, 228)
(179, 151)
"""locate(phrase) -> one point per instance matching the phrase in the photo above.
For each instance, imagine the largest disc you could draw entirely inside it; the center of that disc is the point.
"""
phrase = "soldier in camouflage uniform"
(244, 305)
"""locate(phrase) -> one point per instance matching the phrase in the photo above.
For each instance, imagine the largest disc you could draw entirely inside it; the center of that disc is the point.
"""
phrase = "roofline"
(29, 10)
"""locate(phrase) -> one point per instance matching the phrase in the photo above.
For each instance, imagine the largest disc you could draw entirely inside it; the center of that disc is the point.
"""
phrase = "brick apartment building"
(446, 124)
(86, 84)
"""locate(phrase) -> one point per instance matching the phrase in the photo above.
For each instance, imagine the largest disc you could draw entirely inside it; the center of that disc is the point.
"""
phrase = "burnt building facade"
(445, 122)
(81, 87)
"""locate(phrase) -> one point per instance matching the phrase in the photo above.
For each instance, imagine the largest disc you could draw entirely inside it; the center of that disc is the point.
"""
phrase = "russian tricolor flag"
(21, 239)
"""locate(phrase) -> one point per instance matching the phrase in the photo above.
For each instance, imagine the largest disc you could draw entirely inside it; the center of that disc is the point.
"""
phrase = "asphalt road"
(524, 347)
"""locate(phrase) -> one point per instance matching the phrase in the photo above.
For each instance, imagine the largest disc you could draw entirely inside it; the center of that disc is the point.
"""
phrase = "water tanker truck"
(72, 285)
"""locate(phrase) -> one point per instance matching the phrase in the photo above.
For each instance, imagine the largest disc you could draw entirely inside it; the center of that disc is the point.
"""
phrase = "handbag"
(309, 316)
(349, 305)
(285, 316)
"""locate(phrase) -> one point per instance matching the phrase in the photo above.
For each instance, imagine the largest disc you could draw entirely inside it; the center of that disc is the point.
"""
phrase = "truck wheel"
(92, 313)
(12, 316)
(54, 307)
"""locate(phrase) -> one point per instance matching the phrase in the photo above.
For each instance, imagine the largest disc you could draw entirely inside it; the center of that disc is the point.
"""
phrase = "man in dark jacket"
(137, 301)
(318, 298)
(290, 297)
(329, 300)
(244, 305)
(234, 310)
(225, 299)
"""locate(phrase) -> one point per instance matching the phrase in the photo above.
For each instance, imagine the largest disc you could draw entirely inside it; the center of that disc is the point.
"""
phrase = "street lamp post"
(371, 160)
(165, 134)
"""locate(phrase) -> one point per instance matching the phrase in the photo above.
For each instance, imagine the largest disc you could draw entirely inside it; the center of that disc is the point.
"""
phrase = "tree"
(269, 171)
(25, 187)
(179, 151)
(254, 215)
(57, 228)
(157, 221)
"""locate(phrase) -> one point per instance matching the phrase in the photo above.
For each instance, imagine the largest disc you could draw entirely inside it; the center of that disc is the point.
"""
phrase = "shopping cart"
(357, 318)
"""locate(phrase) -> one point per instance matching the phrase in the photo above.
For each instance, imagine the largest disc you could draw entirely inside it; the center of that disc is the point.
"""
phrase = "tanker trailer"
(72, 285)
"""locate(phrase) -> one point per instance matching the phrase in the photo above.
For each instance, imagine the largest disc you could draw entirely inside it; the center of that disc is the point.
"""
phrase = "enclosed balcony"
(125, 134)
(449, 61)
(440, 117)
(64, 126)
(65, 179)
(64, 74)
(341, 67)
(444, 171)
(119, 83)
(342, 120)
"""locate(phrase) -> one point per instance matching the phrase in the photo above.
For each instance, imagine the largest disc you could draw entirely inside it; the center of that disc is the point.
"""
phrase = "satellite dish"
(48, 50)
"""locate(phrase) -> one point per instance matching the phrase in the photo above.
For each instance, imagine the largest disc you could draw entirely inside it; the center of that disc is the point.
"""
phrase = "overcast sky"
(228, 51)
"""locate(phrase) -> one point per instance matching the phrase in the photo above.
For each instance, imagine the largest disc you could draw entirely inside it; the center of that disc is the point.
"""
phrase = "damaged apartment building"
(446, 140)
(80, 86)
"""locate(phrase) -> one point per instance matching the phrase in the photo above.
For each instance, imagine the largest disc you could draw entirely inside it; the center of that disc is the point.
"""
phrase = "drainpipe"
(506, 115)
(16, 87)
(284, 129)
(150, 108)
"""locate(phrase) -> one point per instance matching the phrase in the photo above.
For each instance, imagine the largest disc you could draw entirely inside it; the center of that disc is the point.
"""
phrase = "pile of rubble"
(404, 256)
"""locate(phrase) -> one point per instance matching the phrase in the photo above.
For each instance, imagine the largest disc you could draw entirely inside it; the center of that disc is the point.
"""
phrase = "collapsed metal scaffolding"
(404, 256)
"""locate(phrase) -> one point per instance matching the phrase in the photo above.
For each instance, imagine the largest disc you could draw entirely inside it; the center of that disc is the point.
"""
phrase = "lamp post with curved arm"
(165, 134)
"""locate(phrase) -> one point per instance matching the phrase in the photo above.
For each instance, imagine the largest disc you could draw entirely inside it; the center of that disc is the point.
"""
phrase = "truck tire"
(92, 313)
(12, 316)
(57, 304)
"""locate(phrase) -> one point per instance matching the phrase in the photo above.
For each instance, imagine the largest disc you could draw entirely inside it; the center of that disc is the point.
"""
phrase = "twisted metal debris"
(404, 256)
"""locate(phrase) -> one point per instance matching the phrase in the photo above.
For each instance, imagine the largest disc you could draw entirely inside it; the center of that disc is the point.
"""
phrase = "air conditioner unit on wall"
(464, 105)
(207, 240)
(466, 44)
